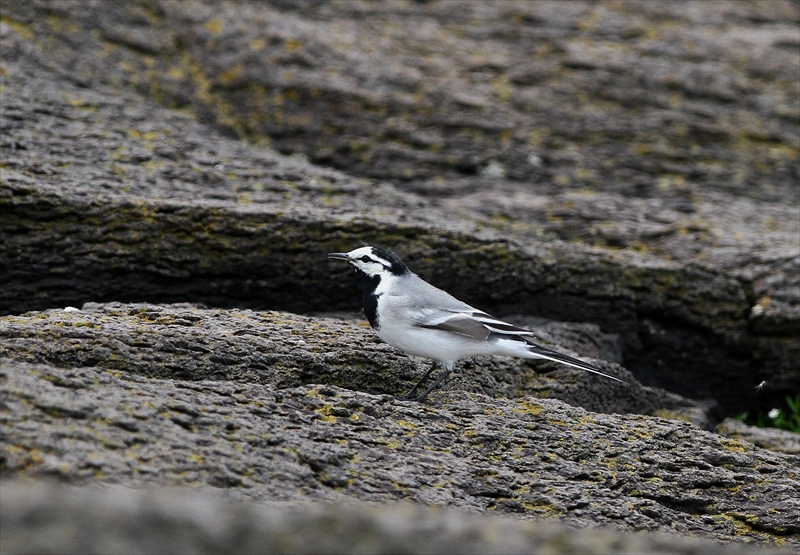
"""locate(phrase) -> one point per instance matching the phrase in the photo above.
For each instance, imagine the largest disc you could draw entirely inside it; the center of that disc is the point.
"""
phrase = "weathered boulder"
(287, 350)
(530, 166)
(529, 457)
(630, 168)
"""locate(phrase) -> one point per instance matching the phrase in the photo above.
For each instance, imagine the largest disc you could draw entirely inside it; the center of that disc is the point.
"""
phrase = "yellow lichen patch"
(504, 91)
(257, 44)
(548, 457)
(325, 414)
(588, 419)
(407, 424)
(78, 102)
(528, 408)
(293, 45)
(668, 182)
(637, 432)
(544, 509)
(27, 458)
(145, 136)
(195, 458)
(22, 30)
(734, 445)
(562, 179)
(739, 522)
(176, 73)
(230, 75)
(213, 26)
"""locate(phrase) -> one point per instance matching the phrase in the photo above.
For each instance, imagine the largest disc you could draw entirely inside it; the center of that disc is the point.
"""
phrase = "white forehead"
(359, 252)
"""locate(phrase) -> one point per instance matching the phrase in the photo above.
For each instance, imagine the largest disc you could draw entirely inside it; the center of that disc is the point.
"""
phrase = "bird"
(422, 320)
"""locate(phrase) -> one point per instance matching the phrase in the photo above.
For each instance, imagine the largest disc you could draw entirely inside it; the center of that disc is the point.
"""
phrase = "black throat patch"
(369, 285)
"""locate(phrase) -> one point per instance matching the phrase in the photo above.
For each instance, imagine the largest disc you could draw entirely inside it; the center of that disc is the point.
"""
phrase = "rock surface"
(622, 177)
(286, 350)
(516, 143)
(773, 439)
(529, 457)
(47, 518)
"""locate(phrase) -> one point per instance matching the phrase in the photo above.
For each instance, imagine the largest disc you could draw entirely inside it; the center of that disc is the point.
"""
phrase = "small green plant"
(785, 419)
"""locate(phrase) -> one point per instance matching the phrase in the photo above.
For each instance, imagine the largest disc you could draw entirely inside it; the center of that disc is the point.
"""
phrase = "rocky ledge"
(620, 176)
(148, 395)
(528, 457)
(630, 166)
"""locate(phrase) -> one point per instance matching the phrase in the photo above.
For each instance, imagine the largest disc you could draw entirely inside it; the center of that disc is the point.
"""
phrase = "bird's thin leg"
(448, 367)
(410, 394)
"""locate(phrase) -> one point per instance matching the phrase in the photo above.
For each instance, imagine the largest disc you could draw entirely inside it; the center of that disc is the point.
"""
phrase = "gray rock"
(528, 457)
(630, 167)
(773, 439)
(40, 517)
(287, 350)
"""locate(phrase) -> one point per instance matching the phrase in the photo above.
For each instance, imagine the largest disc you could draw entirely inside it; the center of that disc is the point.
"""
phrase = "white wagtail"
(421, 320)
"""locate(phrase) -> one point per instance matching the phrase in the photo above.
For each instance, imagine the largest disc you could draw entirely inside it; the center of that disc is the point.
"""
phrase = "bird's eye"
(365, 258)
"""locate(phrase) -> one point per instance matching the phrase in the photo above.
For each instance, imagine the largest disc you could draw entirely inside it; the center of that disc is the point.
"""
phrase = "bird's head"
(373, 261)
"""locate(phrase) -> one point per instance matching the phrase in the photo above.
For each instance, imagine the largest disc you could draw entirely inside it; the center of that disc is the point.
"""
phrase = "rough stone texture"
(769, 438)
(529, 457)
(620, 164)
(48, 518)
(286, 350)
(630, 167)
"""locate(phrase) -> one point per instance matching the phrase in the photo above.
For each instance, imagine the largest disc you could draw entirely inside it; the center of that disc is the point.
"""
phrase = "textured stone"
(287, 350)
(627, 170)
(773, 439)
(530, 457)
(622, 165)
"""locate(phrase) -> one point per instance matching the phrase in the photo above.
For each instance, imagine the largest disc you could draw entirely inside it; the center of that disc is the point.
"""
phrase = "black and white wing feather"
(485, 327)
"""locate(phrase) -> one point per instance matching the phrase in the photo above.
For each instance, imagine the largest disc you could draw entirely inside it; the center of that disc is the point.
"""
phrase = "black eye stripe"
(366, 258)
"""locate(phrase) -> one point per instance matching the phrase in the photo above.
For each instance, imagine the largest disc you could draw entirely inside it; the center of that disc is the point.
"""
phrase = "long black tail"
(550, 354)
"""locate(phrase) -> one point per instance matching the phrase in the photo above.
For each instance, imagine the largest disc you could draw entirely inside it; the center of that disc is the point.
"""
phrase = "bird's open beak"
(339, 256)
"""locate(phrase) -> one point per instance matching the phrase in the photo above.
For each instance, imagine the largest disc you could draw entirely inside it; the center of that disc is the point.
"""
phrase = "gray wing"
(432, 308)
(473, 323)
